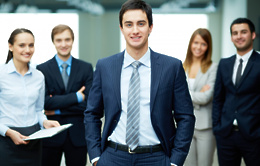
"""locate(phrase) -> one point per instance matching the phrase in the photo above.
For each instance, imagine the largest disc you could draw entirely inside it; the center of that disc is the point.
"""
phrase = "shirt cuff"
(57, 112)
(3, 130)
(41, 118)
(94, 160)
(79, 97)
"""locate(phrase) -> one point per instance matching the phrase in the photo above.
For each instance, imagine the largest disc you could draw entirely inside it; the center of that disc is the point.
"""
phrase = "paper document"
(48, 132)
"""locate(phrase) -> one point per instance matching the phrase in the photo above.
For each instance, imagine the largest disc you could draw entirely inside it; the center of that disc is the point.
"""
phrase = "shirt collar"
(12, 69)
(60, 62)
(145, 59)
(244, 57)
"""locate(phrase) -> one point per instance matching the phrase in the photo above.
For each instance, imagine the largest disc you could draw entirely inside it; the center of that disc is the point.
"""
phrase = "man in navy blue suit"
(236, 103)
(165, 118)
(66, 96)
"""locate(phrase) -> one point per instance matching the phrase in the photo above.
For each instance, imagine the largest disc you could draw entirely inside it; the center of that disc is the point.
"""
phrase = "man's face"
(242, 37)
(136, 29)
(63, 43)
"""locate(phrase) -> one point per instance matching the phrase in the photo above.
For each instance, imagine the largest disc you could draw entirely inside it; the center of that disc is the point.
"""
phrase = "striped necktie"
(133, 108)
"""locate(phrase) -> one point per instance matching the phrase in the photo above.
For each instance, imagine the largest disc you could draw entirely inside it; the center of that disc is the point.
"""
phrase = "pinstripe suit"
(169, 92)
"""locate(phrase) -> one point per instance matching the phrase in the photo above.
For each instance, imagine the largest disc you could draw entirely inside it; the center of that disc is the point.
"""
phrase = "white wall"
(41, 25)
(232, 9)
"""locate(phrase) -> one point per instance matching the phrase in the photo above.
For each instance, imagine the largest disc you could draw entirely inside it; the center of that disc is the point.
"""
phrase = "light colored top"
(244, 63)
(202, 101)
(21, 97)
(147, 134)
(191, 83)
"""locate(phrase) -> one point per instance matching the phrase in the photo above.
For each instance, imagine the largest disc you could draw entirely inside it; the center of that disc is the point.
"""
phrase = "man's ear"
(253, 35)
(150, 29)
(121, 28)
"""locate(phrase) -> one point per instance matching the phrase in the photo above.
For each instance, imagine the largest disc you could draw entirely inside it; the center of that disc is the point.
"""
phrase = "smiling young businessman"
(236, 104)
(142, 95)
(65, 100)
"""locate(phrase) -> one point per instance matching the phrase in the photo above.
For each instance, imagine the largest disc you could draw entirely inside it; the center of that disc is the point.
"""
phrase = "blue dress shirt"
(69, 61)
(21, 97)
(147, 134)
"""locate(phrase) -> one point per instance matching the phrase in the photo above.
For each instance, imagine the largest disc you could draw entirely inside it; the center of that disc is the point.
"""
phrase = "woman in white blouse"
(22, 90)
(201, 74)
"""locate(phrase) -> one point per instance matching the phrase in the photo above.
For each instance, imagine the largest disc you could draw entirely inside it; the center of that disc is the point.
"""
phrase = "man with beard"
(236, 104)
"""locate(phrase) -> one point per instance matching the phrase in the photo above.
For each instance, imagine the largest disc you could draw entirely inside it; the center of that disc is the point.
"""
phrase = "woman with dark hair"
(201, 75)
(22, 91)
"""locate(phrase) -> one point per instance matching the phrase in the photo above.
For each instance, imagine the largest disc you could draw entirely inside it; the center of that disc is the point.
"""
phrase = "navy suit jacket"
(169, 92)
(241, 102)
(66, 100)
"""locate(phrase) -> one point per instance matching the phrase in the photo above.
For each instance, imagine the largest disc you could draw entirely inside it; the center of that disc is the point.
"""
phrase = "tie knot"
(64, 65)
(136, 64)
(241, 60)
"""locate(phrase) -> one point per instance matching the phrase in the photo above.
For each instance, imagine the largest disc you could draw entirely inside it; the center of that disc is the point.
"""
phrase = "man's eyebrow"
(127, 22)
(132, 21)
(141, 21)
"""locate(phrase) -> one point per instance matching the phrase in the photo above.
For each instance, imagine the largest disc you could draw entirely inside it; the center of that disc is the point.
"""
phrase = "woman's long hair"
(11, 40)
(206, 60)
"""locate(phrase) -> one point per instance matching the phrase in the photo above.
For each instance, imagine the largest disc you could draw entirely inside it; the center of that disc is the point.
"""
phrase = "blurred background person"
(201, 75)
(68, 81)
(21, 103)
(236, 103)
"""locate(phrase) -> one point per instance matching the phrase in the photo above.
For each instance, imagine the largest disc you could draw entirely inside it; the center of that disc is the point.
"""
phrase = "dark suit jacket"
(169, 92)
(241, 102)
(66, 100)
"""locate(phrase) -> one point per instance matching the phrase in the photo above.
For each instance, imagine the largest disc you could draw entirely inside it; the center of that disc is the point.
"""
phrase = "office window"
(171, 33)
(41, 25)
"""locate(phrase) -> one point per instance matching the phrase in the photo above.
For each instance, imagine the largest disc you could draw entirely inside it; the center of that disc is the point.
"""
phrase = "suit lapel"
(54, 69)
(230, 68)
(73, 73)
(116, 77)
(247, 69)
(156, 69)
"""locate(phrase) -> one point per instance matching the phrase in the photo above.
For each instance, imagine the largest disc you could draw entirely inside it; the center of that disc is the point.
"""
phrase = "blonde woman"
(201, 74)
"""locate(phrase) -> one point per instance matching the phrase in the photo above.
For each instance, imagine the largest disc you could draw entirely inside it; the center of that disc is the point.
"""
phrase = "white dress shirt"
(245, 59)
(21, 97)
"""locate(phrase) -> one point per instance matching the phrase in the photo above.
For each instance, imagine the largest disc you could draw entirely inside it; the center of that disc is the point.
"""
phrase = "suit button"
(115, 121)
(236, 111)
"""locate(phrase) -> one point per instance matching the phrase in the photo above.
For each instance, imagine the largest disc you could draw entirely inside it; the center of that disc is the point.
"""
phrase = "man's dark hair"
(136, 4)
(241, 21)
